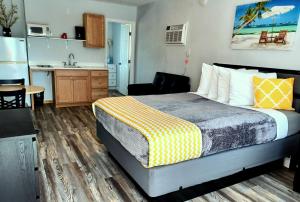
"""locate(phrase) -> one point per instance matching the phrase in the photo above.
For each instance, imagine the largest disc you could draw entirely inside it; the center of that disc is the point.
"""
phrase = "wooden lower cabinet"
(64, 92)
(99, 82)
(79, 87)
(81, 90)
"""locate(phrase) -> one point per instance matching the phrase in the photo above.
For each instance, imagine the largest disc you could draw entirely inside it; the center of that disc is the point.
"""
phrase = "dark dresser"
(18, 157)
(297, 173)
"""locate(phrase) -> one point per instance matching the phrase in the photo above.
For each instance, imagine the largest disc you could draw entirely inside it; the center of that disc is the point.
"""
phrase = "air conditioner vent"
(176, 34)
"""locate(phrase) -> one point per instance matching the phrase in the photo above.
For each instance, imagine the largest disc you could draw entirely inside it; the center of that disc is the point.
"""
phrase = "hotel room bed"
(233, 138)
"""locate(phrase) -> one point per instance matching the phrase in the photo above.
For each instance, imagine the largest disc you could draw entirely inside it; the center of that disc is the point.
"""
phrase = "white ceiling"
(129, 2)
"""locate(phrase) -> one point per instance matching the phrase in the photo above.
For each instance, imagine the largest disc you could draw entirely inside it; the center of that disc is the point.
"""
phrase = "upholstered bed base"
(166, 179)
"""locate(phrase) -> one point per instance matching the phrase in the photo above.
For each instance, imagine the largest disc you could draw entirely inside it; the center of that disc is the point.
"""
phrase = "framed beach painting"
(266, 25)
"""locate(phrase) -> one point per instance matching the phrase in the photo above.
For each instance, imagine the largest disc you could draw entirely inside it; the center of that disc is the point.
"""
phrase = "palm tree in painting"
(251, 14)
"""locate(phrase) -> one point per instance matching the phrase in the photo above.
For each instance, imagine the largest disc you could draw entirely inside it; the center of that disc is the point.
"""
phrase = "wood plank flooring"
(75, 166)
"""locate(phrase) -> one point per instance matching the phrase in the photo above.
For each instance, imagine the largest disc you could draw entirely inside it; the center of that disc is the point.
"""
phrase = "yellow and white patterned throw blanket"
(171, 139)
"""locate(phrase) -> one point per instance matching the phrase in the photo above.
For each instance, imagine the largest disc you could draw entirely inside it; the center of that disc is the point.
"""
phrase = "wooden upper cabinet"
(94, 30)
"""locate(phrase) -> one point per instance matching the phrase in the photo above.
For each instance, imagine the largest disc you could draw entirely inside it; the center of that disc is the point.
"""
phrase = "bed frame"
(162, 180)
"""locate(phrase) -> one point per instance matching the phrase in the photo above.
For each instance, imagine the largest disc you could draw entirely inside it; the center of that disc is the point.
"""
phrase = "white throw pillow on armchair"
(205, 80)
(241, 87)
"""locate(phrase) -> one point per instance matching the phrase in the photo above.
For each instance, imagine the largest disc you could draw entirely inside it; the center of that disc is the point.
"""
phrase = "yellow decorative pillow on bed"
(273, 93)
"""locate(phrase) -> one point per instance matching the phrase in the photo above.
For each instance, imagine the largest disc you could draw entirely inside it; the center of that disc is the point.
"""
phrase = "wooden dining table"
(30, 90)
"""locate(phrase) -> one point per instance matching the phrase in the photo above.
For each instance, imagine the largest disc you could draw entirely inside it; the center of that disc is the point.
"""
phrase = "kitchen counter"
(49, 69)
(71, 86)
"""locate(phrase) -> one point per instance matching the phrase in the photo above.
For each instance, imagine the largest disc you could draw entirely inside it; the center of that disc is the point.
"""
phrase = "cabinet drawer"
(112, 68)
(99, 93)
(112, 76)
(99, 73)
(112, 83)
(71, 73)
(99, 82)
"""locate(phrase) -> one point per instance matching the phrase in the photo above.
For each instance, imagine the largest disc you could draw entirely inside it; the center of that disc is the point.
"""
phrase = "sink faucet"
(71, 56)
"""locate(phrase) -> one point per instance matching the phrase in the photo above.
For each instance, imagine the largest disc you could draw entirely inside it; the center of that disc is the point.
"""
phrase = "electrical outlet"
(188, 52)
(287, 162)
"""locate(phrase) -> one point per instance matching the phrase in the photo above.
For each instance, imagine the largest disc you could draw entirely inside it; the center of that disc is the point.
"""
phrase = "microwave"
(38, 30)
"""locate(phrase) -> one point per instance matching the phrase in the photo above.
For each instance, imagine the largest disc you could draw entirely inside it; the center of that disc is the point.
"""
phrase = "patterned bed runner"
(171, 139)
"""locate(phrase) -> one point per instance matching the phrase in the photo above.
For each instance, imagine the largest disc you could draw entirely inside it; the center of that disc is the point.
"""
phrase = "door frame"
(132, 53)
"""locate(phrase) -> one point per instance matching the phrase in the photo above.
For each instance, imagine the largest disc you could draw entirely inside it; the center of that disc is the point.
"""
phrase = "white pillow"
(213, 90)
(224, 83)
(241, 87)
(205, 79)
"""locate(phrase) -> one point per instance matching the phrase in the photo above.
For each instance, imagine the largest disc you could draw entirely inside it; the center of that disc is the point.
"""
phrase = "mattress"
(293, 121)
(223, 127)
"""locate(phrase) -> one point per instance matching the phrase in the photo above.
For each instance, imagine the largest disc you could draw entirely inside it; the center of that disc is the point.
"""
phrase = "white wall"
(210, 32)
(62, 16)
(18, 29)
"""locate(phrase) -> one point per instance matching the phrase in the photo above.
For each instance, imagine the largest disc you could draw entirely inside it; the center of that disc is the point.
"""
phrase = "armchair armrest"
(141, 89)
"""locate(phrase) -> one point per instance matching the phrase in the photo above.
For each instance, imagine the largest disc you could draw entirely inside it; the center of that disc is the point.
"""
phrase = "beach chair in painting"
(263, 37)
(281, 38)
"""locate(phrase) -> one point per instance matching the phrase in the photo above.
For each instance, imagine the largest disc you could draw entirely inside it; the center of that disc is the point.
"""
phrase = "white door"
(123, 64)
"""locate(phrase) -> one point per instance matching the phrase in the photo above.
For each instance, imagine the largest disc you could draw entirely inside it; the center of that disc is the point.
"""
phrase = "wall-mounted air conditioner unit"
(176, 34)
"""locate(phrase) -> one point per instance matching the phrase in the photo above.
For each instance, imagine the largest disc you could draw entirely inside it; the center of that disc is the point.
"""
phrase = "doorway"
(119, 55)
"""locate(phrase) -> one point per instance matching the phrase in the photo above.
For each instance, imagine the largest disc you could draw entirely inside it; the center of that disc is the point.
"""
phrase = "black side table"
(18, 157)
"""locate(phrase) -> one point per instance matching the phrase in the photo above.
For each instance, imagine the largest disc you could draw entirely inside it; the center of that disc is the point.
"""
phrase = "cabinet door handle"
(34, 146)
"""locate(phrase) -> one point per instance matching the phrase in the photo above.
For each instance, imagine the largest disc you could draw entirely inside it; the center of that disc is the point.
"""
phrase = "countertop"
(36, 68)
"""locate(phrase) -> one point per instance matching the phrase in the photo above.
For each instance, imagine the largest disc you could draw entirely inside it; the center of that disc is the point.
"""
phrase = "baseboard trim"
(48, 102)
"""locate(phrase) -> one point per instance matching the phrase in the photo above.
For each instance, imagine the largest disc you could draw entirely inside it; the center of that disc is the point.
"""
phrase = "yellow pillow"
(273, 93)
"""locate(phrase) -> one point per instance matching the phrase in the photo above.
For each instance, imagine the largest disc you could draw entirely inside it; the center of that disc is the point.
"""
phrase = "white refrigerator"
(13, 60)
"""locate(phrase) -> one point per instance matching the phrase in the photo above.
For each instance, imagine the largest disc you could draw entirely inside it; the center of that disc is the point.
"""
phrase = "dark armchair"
(163, 83)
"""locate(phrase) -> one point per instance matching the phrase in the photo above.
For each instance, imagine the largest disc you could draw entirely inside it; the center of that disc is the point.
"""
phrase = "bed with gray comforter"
(234, 139)
(223, 127)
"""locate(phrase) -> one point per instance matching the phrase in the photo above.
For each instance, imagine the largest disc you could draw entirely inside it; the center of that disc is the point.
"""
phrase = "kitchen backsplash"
(54, 52)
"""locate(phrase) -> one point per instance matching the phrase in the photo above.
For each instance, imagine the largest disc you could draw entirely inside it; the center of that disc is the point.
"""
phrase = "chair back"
(282, 34)
(12, 81)
(12, 99)
(264, 34)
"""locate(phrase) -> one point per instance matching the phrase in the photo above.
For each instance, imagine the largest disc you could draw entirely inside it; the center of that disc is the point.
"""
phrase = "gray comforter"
(223, 127)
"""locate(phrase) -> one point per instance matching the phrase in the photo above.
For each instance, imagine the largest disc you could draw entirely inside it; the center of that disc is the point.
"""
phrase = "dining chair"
(12, 81)
(12, 99)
